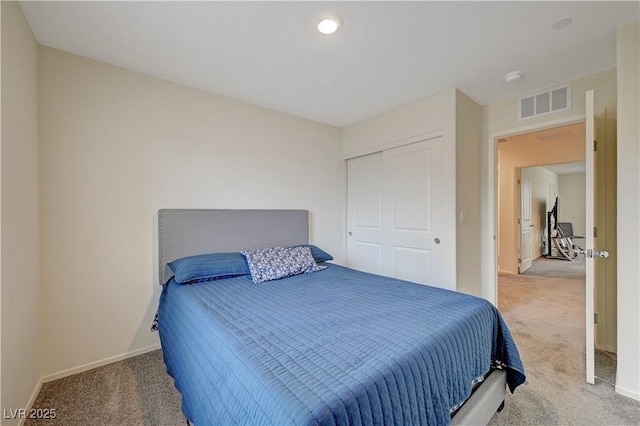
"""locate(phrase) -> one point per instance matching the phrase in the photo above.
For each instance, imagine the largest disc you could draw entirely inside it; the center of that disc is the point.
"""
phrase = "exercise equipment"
(560, 237)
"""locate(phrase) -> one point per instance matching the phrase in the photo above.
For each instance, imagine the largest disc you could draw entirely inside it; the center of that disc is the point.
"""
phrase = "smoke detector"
(513, 76)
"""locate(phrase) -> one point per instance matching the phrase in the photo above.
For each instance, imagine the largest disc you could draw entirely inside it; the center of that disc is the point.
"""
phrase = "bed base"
(484, 402)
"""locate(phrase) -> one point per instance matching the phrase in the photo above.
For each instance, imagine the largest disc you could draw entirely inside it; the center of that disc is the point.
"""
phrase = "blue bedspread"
(332, 347)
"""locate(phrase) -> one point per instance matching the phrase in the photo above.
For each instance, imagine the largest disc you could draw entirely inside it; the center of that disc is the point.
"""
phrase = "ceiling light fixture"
(329, 25)
(513, 76)
(564, 23)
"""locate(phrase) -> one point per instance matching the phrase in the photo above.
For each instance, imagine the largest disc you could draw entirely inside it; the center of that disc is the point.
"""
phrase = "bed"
(334, 346)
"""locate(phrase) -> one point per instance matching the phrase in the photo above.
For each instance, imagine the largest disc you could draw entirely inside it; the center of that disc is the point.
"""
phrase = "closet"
(413, 192)
(394, 211)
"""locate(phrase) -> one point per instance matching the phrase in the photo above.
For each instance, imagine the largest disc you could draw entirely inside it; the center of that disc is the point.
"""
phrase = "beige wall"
(408, 123)
(116, 146)
(571, 190)
(467, 114)
(20, 223)
(628, 156)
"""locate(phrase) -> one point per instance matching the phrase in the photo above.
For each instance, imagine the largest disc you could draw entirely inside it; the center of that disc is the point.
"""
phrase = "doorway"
(521, 160)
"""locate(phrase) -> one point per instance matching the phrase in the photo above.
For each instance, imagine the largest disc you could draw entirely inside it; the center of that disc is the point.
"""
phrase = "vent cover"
(554, 100)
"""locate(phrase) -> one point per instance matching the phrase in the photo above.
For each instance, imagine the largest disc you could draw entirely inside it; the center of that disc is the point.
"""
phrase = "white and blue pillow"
(277, 262)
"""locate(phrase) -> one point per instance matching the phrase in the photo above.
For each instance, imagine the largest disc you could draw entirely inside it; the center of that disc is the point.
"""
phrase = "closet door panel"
(394, 212)
(412, 264)
(410, 219)
(364, 187)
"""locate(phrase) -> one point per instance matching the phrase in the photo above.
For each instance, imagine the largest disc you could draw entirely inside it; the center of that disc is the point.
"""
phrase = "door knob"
(602, 254)
(590, 253)
(437, 240)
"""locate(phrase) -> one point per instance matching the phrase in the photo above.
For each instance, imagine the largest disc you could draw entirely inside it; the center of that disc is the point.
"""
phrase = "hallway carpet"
(546, 316)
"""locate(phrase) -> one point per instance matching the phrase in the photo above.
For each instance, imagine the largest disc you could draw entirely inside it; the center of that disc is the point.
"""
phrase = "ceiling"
(386, 54)
(568, 134)
(568, 168)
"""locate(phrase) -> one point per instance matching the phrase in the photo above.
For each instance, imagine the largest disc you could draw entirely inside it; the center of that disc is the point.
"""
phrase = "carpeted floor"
(544, 309)
(133, 392)
(557, 268)
(545, 315)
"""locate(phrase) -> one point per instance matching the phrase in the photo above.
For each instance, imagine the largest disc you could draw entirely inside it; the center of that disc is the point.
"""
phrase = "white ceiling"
(568, 168)
(386, 54)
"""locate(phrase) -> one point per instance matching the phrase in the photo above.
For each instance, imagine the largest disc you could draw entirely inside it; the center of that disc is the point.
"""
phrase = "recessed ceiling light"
(329, 25)
(564, 23)
(513, 76)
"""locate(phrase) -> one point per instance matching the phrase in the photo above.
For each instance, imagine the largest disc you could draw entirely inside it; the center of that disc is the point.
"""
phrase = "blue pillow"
(206, 267)
(318, 254)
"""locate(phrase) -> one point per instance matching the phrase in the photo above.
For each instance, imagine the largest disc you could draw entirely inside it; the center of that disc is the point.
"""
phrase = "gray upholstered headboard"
(187, 232)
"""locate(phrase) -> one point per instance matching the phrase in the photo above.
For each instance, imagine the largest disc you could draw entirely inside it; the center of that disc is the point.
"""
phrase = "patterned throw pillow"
(277, 262)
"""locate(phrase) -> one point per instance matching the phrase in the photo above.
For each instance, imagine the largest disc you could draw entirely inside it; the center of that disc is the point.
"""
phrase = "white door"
(364, 211)
(590, 252)
(524, 258)
(411, 217)
(394, 212)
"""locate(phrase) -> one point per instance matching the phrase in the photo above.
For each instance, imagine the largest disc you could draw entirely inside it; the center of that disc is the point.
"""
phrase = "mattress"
(336, 346)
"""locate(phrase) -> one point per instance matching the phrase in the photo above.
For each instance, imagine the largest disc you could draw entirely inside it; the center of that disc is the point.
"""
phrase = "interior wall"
(571, 191)
(20, 215)
(467, 113)
(628, 202)
(399, 126)
(118, 145)
(519, 154)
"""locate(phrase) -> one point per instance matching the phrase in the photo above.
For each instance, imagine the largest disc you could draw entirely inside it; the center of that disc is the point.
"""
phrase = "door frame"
(489, 249)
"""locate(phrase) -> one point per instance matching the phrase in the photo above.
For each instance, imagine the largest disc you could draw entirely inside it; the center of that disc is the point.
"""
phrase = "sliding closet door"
(364, 205)
(411, 211)
(395, 213)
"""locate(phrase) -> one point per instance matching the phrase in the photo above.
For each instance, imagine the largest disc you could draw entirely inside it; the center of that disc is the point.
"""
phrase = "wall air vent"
(554, 100)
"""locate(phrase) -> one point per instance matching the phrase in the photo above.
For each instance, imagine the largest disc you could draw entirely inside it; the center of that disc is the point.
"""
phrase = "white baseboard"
(628, 393)
(32, 399)
(96, 364)
(610, 349)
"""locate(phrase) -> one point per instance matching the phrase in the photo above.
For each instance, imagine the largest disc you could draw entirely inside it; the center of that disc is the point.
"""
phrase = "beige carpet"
(546, 316)
(136, 391)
